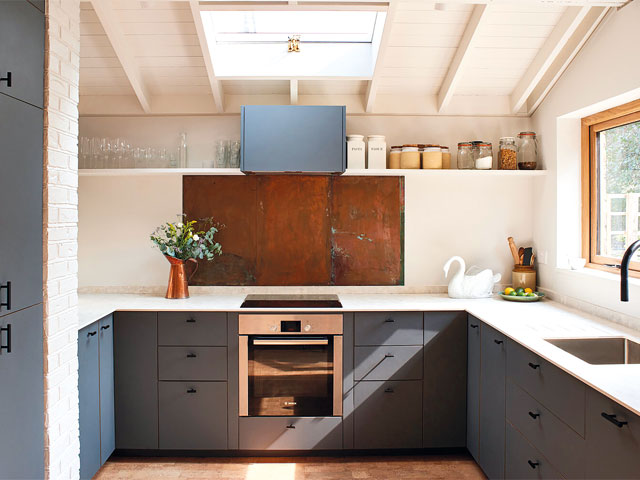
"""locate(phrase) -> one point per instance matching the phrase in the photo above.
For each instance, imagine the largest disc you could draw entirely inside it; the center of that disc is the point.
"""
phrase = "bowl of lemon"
(521, 295)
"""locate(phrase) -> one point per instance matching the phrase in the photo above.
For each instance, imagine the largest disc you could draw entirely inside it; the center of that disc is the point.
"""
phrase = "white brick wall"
(60, 230)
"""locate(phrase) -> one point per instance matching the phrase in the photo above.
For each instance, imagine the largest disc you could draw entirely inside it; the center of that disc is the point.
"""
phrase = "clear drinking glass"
(221, 154)
(234, 154)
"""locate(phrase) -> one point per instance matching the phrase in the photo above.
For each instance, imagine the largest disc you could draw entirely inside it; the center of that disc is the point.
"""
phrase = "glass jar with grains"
(432, 157)
(410, 156)
(394, 156)
(446, 157)
(507, 154)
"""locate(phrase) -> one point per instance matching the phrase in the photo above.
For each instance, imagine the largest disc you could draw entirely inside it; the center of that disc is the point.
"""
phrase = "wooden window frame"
(591, 125)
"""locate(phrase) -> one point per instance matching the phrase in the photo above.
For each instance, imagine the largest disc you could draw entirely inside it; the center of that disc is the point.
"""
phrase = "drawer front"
(388, 414)
(612, 451)
(193, 415)
(553, 388)
(192, 363)
(553, 438)
(388, 363)
(192, 328)
(523, 461)
(290, 433)
(388, 328)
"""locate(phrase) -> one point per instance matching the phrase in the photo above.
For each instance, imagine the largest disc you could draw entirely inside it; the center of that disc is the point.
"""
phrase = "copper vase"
(178, 281)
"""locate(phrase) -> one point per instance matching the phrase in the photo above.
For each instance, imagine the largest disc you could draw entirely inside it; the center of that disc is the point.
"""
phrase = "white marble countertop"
(528, 324)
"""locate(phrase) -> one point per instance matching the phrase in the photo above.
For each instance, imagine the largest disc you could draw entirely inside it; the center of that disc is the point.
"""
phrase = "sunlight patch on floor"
(271, 471)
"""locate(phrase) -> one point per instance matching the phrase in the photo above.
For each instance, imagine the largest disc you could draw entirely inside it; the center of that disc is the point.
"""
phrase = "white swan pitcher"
(474, 283)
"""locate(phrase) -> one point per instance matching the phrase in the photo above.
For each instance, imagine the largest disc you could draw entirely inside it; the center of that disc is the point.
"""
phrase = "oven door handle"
(291, 341)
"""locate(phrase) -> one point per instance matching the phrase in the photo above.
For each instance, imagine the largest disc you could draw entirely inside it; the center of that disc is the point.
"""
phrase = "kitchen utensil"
(515, 298)
(528, 253)
(514, 250)
(533, 259)
(520, 255)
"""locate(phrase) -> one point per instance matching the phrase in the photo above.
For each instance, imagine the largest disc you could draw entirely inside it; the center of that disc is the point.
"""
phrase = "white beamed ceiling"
(162, 38)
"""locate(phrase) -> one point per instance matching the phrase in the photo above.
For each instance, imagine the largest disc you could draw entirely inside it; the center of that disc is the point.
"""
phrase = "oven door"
(284, 375)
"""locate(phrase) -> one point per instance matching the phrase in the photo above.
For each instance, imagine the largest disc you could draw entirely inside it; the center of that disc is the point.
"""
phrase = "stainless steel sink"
(600, 351)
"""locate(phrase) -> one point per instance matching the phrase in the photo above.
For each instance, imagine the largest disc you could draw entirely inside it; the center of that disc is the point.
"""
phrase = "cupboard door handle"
(534, 415)
(91, 334)
(191, 320)
(388, 390)
(389, 320)
(534, 365)
(389, 355)
(6, 79)
(533, 464)
(105, 327)
(192, 390)
(6, 347)
(7, 304)
(291, 426)
(473, 326)
(191, 355)
(612, 418)
(498, 342)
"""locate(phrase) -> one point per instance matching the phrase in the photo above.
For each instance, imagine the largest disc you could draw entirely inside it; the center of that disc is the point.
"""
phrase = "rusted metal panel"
(293, 230)
(232, 201)
(367, 244)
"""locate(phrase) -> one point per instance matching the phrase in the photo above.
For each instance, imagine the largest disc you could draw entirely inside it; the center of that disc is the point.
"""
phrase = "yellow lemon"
(508, 290)
(528, 290)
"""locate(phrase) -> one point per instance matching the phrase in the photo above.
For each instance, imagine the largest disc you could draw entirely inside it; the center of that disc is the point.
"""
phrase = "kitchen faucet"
(624, 270)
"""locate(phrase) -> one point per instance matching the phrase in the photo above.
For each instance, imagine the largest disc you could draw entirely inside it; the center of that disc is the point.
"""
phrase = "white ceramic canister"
(355, 151)
(376, 152)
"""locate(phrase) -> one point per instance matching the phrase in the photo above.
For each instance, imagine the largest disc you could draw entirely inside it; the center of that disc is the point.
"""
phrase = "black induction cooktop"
(291, 301)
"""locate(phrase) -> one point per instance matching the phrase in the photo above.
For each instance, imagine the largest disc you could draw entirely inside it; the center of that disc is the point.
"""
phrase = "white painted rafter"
(293, 91)
(107, 16)
(216, 85)
(551, 49)
(372, 86)
(462, 55)
(562, 61)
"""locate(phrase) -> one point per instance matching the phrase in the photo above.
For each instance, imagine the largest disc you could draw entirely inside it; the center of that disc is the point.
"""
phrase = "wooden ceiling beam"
(293, 91)
(462, 55)
(216, 85)
(107, 16)
(372, 85)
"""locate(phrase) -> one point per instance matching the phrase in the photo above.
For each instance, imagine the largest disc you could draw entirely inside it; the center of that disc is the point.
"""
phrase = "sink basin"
(600, 351)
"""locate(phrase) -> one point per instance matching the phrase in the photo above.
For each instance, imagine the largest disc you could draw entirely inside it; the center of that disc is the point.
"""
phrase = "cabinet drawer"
(388, 328)
(388, 414)
(553, 438)
(553, 388)
(290, 433)
(612, 451)
(192, 363)
(523, 461)
(193, 415)
(192, 328)
(388, 363)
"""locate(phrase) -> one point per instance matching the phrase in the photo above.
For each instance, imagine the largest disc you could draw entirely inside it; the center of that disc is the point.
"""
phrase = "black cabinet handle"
(91, 334)
(7, 304)
(191, 320)
(533, 464)
(105, 327)
(192, 390)
(534, 365)
(534, 415)
(389, 355)
(388, 390)
(473, 326)
(191, 355)
(6, 79)
(389, 320)
(612, 418)
(499, 342)
(291, 426)
(6, 347)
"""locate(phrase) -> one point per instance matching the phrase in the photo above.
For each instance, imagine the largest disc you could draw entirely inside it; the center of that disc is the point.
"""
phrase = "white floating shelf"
(126, 172)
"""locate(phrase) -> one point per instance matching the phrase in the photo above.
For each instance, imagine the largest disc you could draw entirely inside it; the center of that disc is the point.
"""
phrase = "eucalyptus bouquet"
(181, 240)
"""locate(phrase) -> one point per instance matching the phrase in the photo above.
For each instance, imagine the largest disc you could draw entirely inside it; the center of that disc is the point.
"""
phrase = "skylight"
(311, 26)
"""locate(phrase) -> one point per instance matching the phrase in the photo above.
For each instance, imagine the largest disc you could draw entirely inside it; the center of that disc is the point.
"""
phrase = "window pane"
(618, 189)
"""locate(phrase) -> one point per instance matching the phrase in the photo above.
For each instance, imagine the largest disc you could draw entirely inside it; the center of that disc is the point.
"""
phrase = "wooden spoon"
(521, 255)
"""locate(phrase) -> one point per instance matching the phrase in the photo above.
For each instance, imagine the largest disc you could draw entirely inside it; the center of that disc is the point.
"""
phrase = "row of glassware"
(107, 153)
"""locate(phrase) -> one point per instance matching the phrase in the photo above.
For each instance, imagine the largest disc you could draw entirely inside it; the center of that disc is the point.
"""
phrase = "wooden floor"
(432, 467)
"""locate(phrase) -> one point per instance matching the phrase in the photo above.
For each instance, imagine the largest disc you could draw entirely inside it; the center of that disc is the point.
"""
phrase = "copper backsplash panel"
(301, 229)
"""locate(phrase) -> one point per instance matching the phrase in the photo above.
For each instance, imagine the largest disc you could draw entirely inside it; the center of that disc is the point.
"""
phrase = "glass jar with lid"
(394, 156)
(507, 153)
(484, 156)
(465, 156)
(527, 151)
(446, 157)
(432, 157)
(410, 156)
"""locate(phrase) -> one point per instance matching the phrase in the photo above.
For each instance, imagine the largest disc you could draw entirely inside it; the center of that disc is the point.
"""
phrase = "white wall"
(445, 215)
(605, 73)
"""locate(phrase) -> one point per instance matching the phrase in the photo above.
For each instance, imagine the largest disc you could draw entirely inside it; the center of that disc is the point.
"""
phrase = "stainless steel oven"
(290, 365)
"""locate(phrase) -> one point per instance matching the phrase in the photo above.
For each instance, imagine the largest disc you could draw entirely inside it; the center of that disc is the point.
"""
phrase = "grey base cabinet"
(524, 461)
(473, 387)
(290, 433)
(22, 396)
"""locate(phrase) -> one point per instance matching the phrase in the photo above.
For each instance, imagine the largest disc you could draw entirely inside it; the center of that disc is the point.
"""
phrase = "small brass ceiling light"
(294, 43)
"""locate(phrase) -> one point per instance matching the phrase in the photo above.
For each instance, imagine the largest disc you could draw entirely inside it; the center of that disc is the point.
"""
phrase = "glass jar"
(446, 157)
(507, 154)
(465, 156)
(484, 158)
(432, 157)
(394, 156)
(527, 151)
(410, 156)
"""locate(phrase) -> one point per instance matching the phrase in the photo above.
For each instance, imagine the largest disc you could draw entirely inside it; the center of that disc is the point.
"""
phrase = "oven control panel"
(320, 324)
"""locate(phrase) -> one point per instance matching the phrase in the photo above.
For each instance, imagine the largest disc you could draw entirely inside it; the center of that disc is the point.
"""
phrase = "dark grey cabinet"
(445, 379)
(473, 386)
(96, 397)
(613, 439)
(21, 52)
(388, 328)
(397, 362)
(135, 345)
(524, 461)
(21, 198)
(192, 329)
(21, 395)
(290, 433)
(492, 402)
